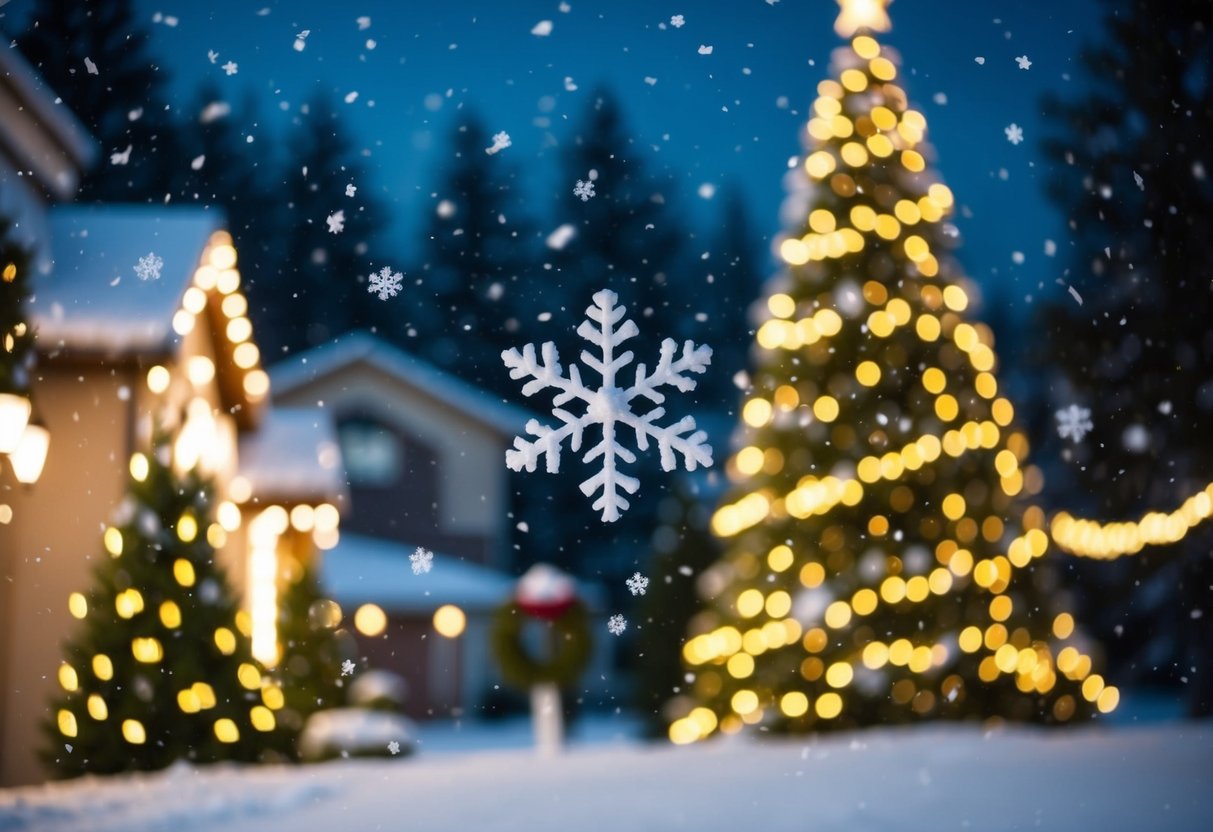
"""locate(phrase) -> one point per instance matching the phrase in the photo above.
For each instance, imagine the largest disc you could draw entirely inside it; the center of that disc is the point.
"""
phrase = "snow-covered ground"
(939, 777)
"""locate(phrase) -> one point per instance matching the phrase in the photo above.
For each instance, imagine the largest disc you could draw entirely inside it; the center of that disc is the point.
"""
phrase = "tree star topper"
(609, 405)
(862, 14)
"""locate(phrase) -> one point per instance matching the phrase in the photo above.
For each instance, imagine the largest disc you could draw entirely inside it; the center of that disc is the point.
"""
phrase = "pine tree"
(122, 102)
(1139, 210)
(479, 272)
(313, 649)
(320, 289)
(160, 668)
(878, 568)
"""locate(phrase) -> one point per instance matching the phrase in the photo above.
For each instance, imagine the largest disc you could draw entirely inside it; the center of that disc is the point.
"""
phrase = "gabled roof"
(360, 570)
(91, 301)
(55, 136)
(294, 457)
(363, 347)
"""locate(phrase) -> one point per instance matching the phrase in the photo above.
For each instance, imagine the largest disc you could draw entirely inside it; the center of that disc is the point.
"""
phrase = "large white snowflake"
(385, 283)
(609, 405)
(148, 268)
(1074, 422)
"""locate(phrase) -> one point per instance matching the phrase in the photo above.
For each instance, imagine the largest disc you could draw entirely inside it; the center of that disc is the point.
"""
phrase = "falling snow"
(347, 668)
(386, 283)
(1023, 62)
(231, 67)
(336, 222)
(148, 268)
(1074, 422)
(1014, 133)
(616, 624)
(584, 189)
(422, 560)
(609, 405)
(677, 21)
(500, 142)
(637, 584)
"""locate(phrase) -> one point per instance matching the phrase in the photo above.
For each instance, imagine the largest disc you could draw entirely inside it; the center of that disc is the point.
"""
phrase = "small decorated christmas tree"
(314, 646)
(16, 339)
(878, 566)
(160, 668)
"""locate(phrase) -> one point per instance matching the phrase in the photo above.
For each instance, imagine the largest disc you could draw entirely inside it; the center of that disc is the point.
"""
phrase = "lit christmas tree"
(878, 567)
(161, 667)
(16, 340)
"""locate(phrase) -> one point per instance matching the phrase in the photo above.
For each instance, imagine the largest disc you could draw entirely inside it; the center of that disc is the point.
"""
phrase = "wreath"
(570, 646)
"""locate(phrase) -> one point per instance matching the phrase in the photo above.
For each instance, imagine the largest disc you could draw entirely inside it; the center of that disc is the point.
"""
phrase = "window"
(373, 454)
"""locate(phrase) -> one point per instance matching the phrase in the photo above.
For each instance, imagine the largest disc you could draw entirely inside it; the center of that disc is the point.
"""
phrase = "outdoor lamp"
(14, 416)
(30, 454)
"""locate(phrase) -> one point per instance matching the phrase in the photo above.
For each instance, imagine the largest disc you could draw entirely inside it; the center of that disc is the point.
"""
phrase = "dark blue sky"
(732, 115)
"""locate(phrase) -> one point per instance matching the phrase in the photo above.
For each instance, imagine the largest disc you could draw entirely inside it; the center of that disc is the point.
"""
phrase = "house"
(425, 460)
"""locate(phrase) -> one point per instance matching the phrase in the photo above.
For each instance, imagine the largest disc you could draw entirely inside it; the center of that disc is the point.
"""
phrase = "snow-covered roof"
(356, 347)
(360, 570)
(55, 146)
(293, 457)
(91, 301)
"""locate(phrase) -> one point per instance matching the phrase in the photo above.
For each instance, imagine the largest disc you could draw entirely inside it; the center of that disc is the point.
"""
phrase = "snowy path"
(932, 778)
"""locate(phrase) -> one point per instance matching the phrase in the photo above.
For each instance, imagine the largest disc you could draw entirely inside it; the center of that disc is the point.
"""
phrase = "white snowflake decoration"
(422, 560)
(637, 584)
(616, 624)
(385, 282)
(148, 268)
(347, 668)
(585, 190)
(1014, 133)
(500, 142)
(336, 222)
(608, 405)
(1074, 422)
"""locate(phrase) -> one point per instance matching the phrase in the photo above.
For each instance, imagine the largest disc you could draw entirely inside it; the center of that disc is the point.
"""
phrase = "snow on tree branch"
(609, 405)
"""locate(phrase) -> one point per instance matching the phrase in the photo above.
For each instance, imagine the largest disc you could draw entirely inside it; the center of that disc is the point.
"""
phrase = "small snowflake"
(1014, 133)
(231, 67)
(678, 21)
(422, 560)
(393, 748)
(336, 222)
(1023, 62)
(212, 55)
(705, 50)
(616, 624)
(122, 157)
(347, 668)
(386, 283)
(637, 584)
(500, 142)
(1073, 422)
(608, 405)
(350, 190)
(148, 268)
(90, 66)
(585, 190)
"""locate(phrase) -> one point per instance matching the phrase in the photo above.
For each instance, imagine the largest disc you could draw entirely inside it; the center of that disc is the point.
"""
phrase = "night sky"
(732, 115)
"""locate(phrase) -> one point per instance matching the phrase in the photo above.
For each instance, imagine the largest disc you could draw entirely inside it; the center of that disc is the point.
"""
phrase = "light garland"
(1108, 541)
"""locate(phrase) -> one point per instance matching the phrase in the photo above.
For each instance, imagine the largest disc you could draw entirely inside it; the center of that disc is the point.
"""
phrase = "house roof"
(293, 457)
(363, 347)
(58, 133)
(90, 299)
(360, 570)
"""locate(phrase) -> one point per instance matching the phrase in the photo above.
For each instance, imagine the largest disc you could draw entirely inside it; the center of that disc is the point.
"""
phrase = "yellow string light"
(1107, 541)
